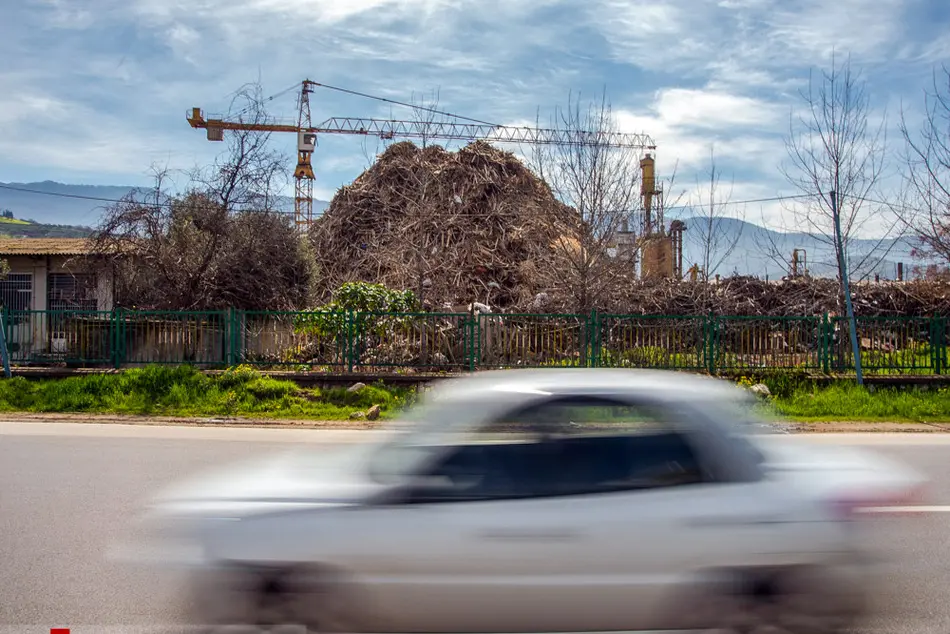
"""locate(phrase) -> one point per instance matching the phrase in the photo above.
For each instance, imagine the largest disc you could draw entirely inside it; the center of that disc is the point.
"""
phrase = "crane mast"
(303, 173)
(392, 128)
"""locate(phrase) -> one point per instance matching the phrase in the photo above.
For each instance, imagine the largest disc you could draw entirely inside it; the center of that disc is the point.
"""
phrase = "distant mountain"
(763, 252)
(57, 203)
(61, 204)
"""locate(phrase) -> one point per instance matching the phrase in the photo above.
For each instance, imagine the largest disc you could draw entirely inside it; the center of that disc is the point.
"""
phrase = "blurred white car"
(540, 501)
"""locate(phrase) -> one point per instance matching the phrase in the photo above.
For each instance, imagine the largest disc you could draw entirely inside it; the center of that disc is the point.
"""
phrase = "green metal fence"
(462, 342)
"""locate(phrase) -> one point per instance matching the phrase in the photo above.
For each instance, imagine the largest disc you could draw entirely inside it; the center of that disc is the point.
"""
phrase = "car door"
(583, 527)
(659, 530)
(484, 553)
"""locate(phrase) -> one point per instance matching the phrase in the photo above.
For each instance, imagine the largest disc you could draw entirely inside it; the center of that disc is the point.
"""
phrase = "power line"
(746, 202)
(251, 106)
(168, 204)
(61, 194)
(104, 200)
(403, 103)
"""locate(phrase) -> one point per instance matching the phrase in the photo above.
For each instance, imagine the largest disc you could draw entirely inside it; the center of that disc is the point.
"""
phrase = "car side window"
(573, 446)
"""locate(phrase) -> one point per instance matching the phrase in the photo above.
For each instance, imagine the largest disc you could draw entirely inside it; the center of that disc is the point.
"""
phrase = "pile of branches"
(791, 297)
(454, 227)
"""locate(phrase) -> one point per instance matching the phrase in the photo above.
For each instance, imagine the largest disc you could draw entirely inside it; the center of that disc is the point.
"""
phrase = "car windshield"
(426, 428)
(418, 432)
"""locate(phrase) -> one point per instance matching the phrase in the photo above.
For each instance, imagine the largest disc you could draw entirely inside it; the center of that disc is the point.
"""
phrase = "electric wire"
(168, 204)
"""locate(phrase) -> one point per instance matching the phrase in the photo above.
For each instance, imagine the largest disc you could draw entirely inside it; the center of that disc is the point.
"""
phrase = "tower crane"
(392, 128)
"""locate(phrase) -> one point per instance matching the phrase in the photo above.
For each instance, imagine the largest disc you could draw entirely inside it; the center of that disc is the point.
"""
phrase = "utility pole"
(843, 268)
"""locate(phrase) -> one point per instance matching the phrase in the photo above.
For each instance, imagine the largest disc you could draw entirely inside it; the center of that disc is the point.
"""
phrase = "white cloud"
(687, 123)
(812, 29)
(65, 15)
(690, 73)
(714, 109)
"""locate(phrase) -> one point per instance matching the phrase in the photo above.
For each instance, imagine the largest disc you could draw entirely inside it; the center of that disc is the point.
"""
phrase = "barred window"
(16, 291)
(66, 291)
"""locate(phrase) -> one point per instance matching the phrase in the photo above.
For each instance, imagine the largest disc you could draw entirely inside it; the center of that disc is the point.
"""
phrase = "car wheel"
(799, 601)
(279, 600)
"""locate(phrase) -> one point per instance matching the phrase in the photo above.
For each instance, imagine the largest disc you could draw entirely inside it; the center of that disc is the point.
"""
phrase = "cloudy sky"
(95, 91)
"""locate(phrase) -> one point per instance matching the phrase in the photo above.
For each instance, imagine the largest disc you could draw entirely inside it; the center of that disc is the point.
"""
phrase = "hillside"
(754, 244)
(17, 228)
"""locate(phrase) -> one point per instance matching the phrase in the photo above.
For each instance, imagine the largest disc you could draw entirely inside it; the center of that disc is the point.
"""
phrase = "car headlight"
(167, 540)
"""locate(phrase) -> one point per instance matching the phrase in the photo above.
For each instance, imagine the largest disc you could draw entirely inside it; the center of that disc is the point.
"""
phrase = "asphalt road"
(66, 492)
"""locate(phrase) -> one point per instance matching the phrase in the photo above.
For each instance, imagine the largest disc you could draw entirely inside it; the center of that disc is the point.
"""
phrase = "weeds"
(184, 391)
(243, 391)
(839, 402)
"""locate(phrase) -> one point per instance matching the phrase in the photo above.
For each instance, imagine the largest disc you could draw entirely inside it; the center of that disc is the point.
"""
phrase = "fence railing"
(463, 342)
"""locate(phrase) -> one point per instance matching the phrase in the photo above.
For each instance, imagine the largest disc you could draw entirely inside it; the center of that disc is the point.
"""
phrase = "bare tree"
(710, 232)
(250, 174)
(221, 243)
(427, 116)
(837, 158)
(927, 172)
(601, 183)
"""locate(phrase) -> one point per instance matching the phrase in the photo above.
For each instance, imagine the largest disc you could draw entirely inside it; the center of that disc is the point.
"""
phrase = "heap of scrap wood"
(790, 297)
(455, 227)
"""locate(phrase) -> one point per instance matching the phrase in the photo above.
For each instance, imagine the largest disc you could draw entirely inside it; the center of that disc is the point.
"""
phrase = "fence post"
(712, 327)
(231, 337)
(937, 343)
(478, 342)
(473, 331)
(4, 350)
(116, 337)
(240, 320)
(348, 318)
(594, 338)
(824, 344)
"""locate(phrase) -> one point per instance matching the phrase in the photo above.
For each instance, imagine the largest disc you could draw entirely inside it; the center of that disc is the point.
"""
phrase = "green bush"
(265, 388)
(237, 376)
(329, 320)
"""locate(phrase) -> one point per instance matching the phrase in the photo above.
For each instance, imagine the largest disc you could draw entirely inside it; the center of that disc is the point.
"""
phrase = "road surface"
(66, 491)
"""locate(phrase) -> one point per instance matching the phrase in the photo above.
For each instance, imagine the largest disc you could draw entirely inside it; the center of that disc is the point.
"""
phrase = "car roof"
(658, 384)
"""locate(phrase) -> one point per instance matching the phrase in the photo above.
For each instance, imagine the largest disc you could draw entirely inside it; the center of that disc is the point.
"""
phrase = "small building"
(57, 298)
(54, 274)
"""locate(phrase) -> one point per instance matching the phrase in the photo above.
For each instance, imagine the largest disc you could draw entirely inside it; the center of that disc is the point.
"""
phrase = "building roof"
(45, 246)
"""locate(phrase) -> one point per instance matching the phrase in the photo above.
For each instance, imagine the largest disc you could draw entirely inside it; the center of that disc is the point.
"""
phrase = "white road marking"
(248, 433)
(905, 509)
(877, 438)
(184, 432)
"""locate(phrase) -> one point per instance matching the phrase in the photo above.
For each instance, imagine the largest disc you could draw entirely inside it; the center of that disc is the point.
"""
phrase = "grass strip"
(185, 391)
(844, 402)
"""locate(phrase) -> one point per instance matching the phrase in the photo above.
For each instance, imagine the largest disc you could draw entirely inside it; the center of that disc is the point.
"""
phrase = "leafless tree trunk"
(833, 146)
(422, 206)
(708, 229)
(927, 173)
(601, 183)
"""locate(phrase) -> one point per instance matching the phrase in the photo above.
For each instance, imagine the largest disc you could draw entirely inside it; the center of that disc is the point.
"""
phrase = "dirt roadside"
(795, 427)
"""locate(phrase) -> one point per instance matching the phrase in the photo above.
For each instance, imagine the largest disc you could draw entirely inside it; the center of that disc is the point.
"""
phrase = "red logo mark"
(59, 630)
